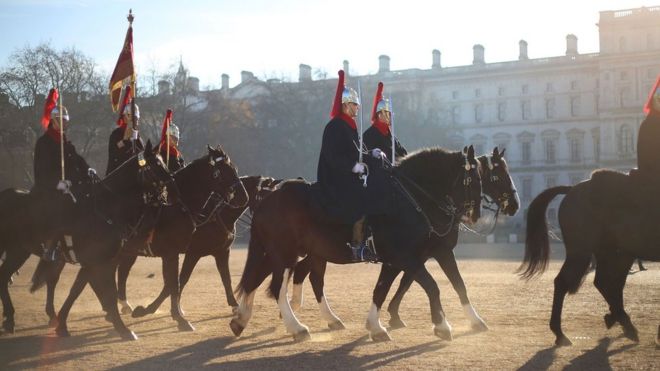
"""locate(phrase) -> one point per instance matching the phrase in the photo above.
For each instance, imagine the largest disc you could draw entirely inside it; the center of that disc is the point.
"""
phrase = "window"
(501, 111)
(454, 94)
(479, 148)
(622, 44)
(550, 108)
(550, 181)
(525, 89)
(552, 214)
(575, 146)
(549, 88)
(575, 178)
(625, 140)
(477, 93)
(526, 107)
(500, 91)
(574, 85)
(478, 113)
(649, 41)
(455, 114)
(550, 150)
(595, 135)
(526, 150)
(575, 106)
(623, 97)
(526, 189)
(624, 75)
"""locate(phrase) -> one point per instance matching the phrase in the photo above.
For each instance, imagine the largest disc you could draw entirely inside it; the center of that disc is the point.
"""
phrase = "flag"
(166, 125)
(124, 103)
(51, 102)
(649, 106)
(124, 70)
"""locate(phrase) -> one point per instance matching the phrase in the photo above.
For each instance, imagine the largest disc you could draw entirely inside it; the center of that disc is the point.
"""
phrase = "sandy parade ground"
(516, 312)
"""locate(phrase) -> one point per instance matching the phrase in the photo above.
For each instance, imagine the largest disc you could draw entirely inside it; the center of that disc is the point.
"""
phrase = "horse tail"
(255, 257)
(46, 271)
(537, 244)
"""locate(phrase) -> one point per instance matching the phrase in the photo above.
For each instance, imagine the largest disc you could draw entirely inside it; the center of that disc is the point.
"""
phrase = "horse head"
(224, 178)
(497, 183)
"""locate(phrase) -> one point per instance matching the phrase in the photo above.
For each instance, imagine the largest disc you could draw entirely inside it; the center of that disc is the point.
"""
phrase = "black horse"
(105, 213)
(498, 189)
(205, 185)
(611, 216)
(213, 238)
(439, 187)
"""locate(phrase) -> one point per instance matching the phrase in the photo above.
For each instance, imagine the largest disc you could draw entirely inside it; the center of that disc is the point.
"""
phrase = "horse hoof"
(62, 332)
(444, 334)
(186, 326)
(396, 323)
(380, 337)
(302, 336)
(631, 334)
(480, 327)
(139, 311)
(562, 341)
(8, 326)
(609, 320)
(129, 335)
(53, 321)
(108, 318)
(339, 325)
(236, 327)
(126, 310)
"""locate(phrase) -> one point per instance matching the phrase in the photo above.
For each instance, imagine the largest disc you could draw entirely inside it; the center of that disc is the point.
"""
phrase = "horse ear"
(496, 152)
(470, 152)
(502, 153)
(148, 147)
(209, 148)
(465, 149)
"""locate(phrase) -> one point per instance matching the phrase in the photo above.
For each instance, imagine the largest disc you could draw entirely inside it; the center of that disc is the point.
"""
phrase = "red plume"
(124, 103)
(648, 107)
(166, 125)
(336, 106)
(377, 98)
(51, 102)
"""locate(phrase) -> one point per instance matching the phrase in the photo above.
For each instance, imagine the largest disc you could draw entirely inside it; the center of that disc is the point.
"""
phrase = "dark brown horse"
(611, 216)
(440, 186)
(498, 189)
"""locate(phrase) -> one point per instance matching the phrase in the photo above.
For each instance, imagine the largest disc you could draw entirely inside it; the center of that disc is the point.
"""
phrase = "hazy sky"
(272, 37)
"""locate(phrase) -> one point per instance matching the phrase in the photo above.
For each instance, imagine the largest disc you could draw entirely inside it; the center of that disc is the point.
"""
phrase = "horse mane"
(433, 166)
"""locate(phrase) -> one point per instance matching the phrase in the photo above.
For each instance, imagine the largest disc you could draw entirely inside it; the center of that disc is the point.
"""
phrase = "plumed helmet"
(55, 113)
(127, 110)
(173, 130)
(383, 105)
(653, 103)
(380, 103)
(349, 95)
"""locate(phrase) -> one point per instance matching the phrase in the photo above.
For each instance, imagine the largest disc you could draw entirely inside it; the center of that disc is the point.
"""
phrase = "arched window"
(625, 140)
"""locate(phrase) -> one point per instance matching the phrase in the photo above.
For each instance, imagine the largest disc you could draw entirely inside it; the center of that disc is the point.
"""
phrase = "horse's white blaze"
(472, 315)
(297, 296)
(373, 321)
(327, 313)
(293, 326)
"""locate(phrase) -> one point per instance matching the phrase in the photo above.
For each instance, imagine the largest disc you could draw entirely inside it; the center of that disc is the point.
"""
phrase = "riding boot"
(359, 247)
(50, 250)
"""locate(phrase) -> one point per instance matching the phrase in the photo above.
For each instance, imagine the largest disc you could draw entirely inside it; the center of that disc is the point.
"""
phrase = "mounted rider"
(169, 144)
(54, 190)
(125, 141)
(343, 194)
(379, 135)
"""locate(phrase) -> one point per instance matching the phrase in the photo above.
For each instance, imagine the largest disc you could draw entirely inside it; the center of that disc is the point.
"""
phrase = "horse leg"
(171, 280)
(385, 280)
(278, 287)
(141, 311)
(102, 280)
(14, 260)
(317, 277)
(126, 262)
(441, 327)
(447, 261)
(568, 280)
(301, 271)
(51, 283)
(244, 312)
(611, 273)
(222, 263)
(76, 289)
(393, 307)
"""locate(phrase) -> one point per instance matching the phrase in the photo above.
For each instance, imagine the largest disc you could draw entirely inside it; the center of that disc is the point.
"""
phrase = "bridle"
(502, 201)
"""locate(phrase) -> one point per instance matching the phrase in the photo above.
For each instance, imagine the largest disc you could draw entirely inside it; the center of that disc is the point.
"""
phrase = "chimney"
(571, 45)
(304, 73)
(163, 87)
(246, 76)
(522, 46)
(478, 52)
(436, 59)
(225, 81)
(193, 85)
(346, 67)
(383, 64)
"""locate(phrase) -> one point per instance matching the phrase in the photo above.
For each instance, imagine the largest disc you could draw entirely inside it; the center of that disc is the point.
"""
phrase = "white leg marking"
(244, 312)
(297, 297)
(472, 315)
(293, 326)
(125, 306)
(373, 321)
(327, 313)
(443, 326)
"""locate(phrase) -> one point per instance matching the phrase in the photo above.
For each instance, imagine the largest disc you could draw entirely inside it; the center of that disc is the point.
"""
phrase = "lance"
(62, 139)
(167, 141)
(130, 19)
(392, 130)
(360, 112)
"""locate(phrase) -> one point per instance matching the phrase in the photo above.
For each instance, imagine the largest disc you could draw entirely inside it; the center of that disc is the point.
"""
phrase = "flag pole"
(392, 130)
(130, 19)
(61, 138)
(360, 133)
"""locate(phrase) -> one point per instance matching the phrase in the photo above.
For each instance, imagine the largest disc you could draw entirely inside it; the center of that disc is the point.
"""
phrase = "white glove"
(358, 168)
(134, 135)
(91, 173)
(63, 185)
(377, 153)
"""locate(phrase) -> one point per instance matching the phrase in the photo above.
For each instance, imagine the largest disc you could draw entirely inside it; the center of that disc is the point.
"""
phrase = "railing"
(630, 12)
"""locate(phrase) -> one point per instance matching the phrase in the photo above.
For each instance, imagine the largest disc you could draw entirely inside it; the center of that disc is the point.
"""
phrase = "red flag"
(124, 103)
(648, 107)
(166, 125)
(123, 70)
(51, 102)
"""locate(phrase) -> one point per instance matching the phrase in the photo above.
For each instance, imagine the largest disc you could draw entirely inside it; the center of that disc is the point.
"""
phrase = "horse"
(205, 185)
(214, 238)
(440, 187)
(498, 189)
(104, 214)
(607, 216)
